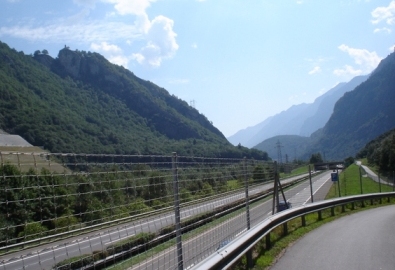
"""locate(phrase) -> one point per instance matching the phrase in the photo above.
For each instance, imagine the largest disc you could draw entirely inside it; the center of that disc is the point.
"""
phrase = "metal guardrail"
(227, 256)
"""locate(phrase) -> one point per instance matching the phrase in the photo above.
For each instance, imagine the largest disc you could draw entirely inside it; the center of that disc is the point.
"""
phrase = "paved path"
(364, 240)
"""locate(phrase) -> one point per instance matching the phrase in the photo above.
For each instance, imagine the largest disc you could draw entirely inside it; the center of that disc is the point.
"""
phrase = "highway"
(363, 240)
(44, 257)
(203, 244)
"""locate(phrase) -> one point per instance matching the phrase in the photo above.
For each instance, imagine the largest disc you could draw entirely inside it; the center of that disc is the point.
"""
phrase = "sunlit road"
(363, 240)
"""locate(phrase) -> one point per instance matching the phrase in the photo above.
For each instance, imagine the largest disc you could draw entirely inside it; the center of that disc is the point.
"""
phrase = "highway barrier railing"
(229, 255)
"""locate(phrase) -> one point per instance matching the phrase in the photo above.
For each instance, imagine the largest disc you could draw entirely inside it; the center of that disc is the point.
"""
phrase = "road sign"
(335, 177)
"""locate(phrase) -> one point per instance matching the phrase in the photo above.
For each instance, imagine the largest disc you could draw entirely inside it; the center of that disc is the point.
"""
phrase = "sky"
(237, 62)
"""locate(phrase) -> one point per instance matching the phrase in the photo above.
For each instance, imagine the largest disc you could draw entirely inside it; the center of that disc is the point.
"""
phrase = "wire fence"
(80, 211)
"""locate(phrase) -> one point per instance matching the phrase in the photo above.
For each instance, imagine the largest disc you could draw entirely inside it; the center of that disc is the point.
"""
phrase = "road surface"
(364, 240)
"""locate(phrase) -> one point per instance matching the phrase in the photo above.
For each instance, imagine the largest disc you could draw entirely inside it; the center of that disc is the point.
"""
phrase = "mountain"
(360, 115)
(326, 103)
(288, 146)
(81, 103)
(302, 119)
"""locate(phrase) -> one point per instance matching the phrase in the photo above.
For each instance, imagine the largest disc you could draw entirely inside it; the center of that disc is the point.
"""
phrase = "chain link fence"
(84, 211)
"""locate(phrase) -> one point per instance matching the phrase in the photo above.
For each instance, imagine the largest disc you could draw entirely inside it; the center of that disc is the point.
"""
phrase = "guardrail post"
(352, 206)
(303, 220)
(343, 208)
(319, 215)
(285, 228)
(332, 211)
(177, 213)
(268, 242)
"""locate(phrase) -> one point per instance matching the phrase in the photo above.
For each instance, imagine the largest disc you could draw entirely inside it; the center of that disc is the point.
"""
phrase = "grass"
(350, 184)
(296, 171)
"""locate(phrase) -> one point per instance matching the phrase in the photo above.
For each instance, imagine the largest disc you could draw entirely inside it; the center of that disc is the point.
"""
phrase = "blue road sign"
(335, 177)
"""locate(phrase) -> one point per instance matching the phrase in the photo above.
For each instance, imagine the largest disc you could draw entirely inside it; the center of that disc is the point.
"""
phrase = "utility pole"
(279, 156)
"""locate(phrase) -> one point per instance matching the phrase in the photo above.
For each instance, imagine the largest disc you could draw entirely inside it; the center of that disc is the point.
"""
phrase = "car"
(282, 205)
(223, 243)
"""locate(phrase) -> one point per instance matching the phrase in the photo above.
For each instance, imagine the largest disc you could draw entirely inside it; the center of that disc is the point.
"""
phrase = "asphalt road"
(364, 240)
(205, 243)
(46, 256)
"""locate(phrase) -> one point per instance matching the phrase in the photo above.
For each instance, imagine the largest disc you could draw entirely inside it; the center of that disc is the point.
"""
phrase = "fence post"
(249, 253)
(246, 192)
(380, 187)
(379, 183)
(360, 179)
(177, 212)
(311, 186)
(338, 182)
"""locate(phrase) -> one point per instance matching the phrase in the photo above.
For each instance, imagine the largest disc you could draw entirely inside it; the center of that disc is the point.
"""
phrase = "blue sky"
(238, 61)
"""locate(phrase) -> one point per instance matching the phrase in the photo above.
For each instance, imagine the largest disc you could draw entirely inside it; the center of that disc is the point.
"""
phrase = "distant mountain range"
(358, 117)
(302, 119)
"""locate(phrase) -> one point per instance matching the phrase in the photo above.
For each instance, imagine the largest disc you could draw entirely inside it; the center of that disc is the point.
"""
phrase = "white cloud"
(347, 71)
(362, 57)
(131, 7)
(113, 53)
(104, 46)
(161, 43)
(119, 60)
(83, 32)
(156, 36)
(386, 14)
(384, 29)
(194, 45)
(316, 69)
(159, 35)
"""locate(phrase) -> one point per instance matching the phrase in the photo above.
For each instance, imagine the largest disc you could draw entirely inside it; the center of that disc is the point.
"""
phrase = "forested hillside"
(380, 152)
(81, 103)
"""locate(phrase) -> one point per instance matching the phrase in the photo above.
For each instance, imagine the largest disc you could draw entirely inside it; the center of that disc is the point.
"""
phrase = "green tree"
(258, 173)
(156, 188)
(316, 158)
(348, 161)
